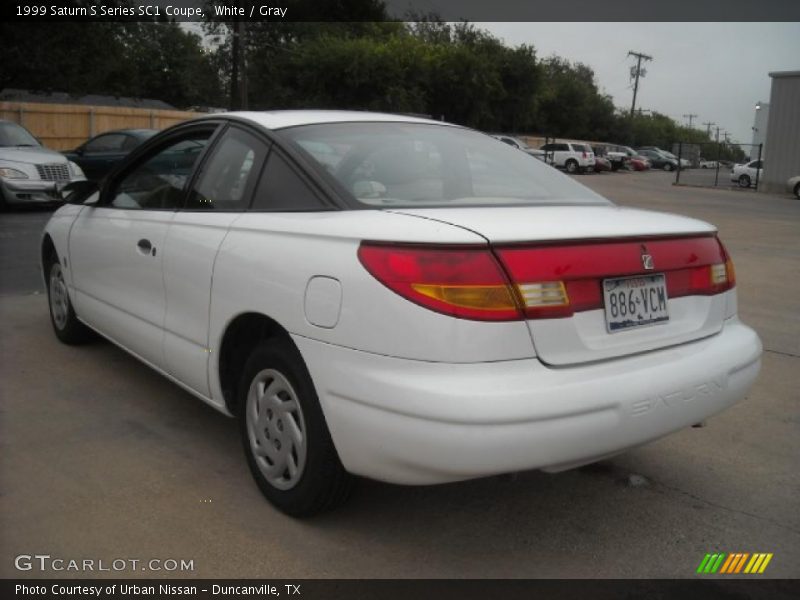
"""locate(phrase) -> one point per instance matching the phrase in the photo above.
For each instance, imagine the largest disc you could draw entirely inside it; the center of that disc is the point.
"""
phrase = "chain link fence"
(719, 164)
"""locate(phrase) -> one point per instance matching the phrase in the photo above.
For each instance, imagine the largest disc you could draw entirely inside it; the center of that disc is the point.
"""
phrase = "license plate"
(635, 301)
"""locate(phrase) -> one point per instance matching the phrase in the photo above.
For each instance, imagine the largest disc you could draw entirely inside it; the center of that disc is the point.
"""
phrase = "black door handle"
(146, 247)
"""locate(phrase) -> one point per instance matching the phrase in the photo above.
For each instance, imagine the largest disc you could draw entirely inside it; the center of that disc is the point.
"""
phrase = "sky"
(718, 71)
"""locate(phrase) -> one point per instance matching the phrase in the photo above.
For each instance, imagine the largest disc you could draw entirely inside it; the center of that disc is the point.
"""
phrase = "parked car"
(793, 185)
(98, 155)
(521, 145)
(708, 164)
(617, 160)
(747, 174)
(436, 307)
(30, 173)
(639, 163)
(684, 162)
(626, 153)
(658, 160)
(571, 156)
(601, 164)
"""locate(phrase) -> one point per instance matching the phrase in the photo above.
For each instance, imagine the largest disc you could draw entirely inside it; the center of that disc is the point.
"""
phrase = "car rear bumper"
(415, 422)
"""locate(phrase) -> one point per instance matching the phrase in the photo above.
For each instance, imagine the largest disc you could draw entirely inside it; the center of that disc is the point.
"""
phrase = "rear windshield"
(581, 148)
(408, 165)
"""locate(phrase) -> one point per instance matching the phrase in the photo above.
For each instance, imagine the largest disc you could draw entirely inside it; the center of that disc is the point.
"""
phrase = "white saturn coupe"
(397, 298)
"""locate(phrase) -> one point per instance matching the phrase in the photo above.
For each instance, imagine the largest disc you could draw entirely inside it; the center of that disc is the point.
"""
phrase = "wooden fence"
(65, 126)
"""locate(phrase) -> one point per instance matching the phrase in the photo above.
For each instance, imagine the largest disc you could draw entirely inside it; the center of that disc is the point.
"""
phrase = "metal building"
(782, 149)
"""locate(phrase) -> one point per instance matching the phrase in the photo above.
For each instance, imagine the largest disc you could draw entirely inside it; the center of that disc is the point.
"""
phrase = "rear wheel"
(744, 181)
(668, 167)
(286, 440)
(571, 166)
(66, 325)
(797, 191)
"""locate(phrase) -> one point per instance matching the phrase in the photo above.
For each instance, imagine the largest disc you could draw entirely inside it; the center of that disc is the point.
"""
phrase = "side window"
(562, 147)
(281, 189)
(159, 181)
(130, 142)
(106, 143)
(547, 147)
(228, 173)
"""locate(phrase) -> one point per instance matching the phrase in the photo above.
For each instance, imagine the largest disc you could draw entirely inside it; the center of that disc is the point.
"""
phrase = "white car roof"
(279, 119)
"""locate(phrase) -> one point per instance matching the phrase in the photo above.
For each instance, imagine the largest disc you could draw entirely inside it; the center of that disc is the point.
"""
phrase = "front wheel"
(797, 191)
(286, 441)
(66, 325)
(668, 167)
(744, 181)
(571, 166)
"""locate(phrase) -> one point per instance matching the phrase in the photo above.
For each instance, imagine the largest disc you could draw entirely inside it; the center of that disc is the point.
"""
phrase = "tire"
(571, 166)
(300, 473)
(797, 191)
(65, 323)
(744, 181)
(668, 167)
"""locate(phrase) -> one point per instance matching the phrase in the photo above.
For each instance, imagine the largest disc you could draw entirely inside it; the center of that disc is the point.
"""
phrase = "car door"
(560, 154)
(220, 192)
(116, 248)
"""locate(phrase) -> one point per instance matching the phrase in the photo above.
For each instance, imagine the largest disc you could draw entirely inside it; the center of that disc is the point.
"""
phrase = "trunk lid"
(608, 243)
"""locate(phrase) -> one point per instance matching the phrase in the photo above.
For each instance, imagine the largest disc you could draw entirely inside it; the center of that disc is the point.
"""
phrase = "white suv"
(575, 158)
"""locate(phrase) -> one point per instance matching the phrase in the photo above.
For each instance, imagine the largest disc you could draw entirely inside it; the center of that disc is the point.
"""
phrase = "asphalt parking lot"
(102, 458)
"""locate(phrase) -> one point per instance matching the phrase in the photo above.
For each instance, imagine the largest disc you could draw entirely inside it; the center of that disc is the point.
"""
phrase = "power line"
(691, 117)
(708, 127)
(637, 72)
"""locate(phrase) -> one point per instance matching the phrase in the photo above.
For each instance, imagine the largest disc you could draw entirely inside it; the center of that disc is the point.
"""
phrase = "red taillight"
(541, 281)
(585, 154)
(464, 282)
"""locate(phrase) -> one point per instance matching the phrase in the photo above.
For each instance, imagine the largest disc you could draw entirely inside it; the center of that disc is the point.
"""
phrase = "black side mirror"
(76, 192)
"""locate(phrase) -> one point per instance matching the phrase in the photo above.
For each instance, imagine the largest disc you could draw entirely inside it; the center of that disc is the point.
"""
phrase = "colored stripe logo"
(734, 563)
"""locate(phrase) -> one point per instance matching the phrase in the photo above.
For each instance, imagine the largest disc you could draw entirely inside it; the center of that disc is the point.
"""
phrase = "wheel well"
(48, 250)
(243, 334)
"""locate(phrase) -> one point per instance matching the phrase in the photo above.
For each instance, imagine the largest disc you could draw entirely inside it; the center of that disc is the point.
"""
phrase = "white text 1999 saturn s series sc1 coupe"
(397, 298)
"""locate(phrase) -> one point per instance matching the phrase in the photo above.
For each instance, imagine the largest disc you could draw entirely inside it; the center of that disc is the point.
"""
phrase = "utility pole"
(691, 117)
(708, 128)
(637, 72)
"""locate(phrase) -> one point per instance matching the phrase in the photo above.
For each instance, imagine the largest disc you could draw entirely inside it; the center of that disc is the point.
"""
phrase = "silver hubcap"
(59, 300)
(276, 429)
